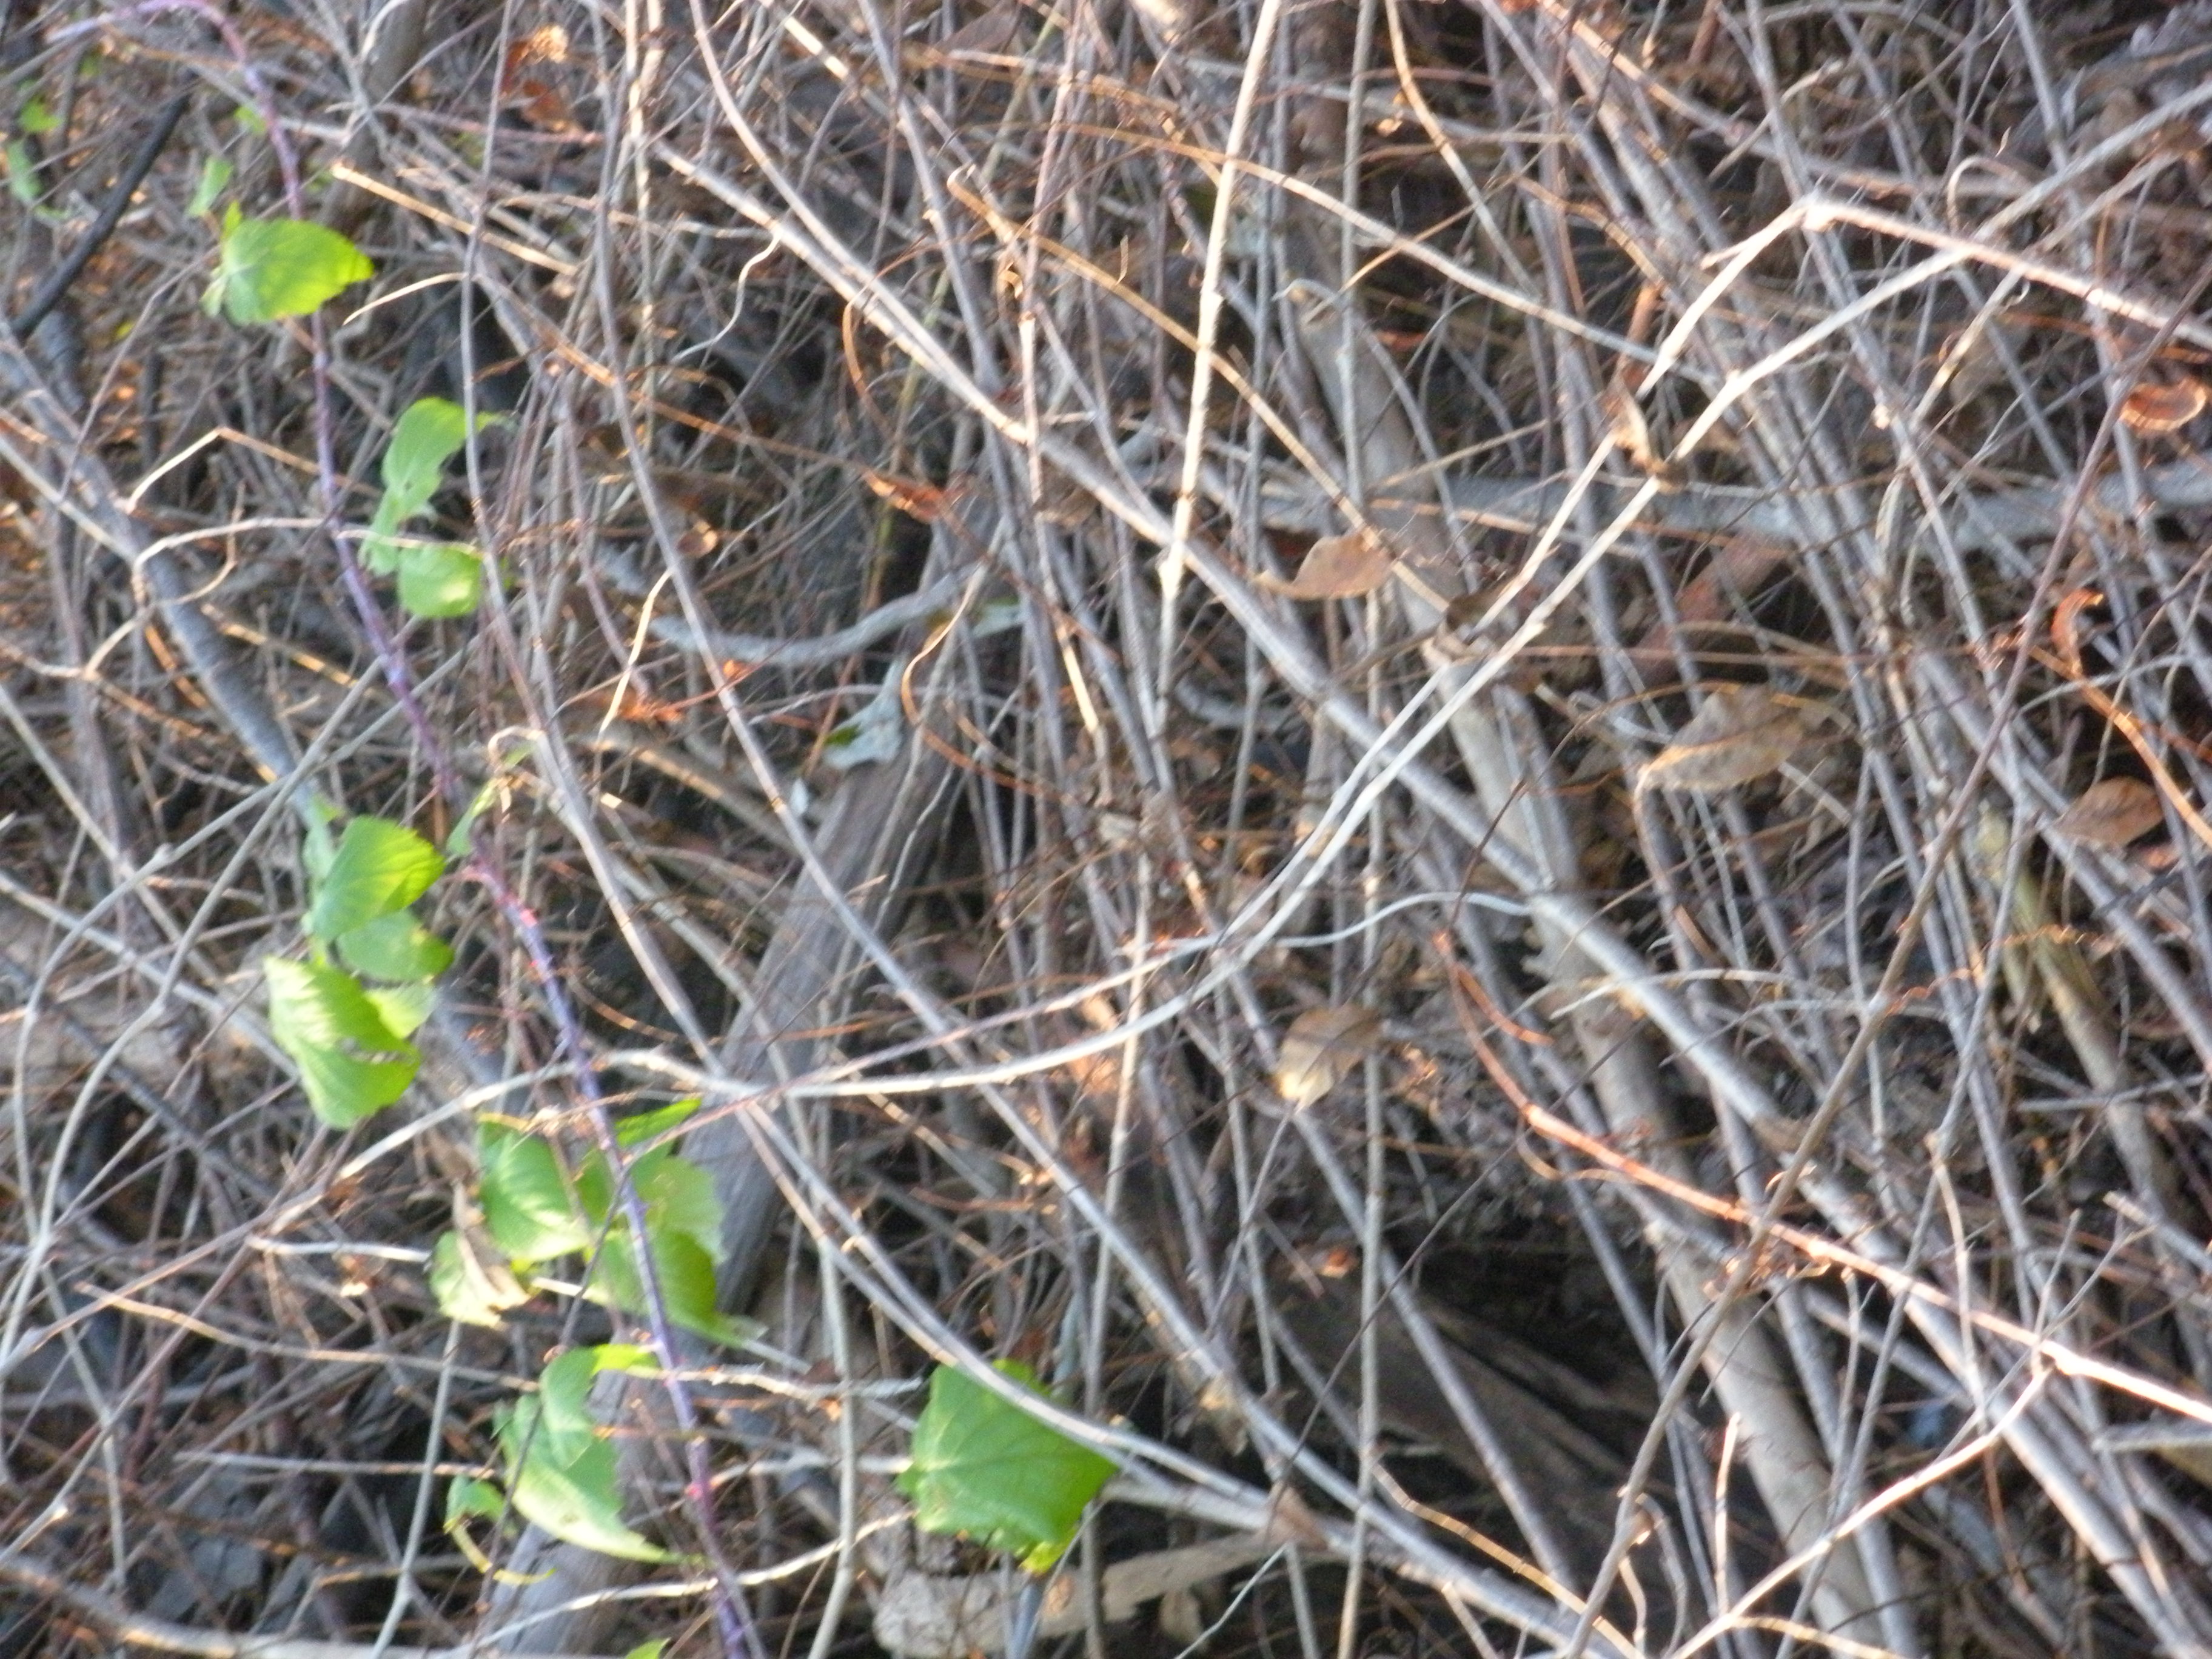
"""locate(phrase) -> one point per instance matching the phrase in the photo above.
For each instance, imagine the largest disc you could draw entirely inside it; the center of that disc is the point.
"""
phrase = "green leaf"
(429, 432)
(22, 173)
(319, 848)
(402, 1007)
(436, 578)
(678, 1194)
(631, 1357)
(530, 1209)
(395, 946)
(249, 119)
(459, 837)
(636, 1130)
(381, 868)
(684, 1221)
(380, 549)
(443, 579)
(466, 1496)
(320, 1018)
(989, 1471)
(560, 1472)
(215, 173)
(34, 118)
(686, 1274)
(564, 1394)
(275, 268)
(468, 1288)
(651, 1650)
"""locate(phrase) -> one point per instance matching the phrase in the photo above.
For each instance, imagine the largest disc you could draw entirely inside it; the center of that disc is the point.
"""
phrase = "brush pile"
(1458, 751)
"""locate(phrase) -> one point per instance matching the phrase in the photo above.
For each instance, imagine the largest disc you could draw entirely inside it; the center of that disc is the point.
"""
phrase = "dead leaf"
(2111, 813)
(1341, 567)
(1633, 433)
(1322, 1045)
(2154, 408)
(1741, 732)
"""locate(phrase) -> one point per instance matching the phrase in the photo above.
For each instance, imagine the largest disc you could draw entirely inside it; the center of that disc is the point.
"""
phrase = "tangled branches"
(1455, 752)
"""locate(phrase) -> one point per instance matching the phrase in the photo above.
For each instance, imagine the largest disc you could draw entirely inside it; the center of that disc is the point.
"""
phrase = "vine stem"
(734, 1625)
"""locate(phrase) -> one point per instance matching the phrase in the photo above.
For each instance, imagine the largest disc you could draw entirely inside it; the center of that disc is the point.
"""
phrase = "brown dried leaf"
(1633, 433)
(1741, 732)
(1341, 567)
(2111, 813)
(2155, 407)
(1322, 1045)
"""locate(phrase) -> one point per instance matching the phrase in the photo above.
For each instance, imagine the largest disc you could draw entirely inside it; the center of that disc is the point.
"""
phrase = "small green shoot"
(436, 578)
(987, 1470)
(275, 268)
(36, 119)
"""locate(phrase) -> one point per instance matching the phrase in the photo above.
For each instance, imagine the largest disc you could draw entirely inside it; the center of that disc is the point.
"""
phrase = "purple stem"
(732, 1622)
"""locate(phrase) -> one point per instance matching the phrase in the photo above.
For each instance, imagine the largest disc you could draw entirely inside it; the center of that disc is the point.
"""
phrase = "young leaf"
(467, 1496)
(684, 1273)
(22, 173)
(402, 1008)
(682, 1220)
(319, 1018)
(381, 868)
(442, 579)
(35, 118)
(560, 1472)
(989, 1470)
(678, 1194)
(429, 432)
(633, 1132)
(215, 173)
(530, 1209)
(395, 946)
(275, 268)
(436, 579)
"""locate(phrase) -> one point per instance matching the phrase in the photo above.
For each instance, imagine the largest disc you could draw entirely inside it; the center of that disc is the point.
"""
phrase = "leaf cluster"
(349, 1037)
(535, 1211)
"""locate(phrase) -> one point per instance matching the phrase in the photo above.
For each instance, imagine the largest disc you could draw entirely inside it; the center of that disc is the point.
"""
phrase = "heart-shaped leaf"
(987, 1469)
(275, 268)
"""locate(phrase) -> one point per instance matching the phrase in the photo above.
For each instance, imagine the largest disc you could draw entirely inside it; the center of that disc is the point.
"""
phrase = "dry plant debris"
(835, 463)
